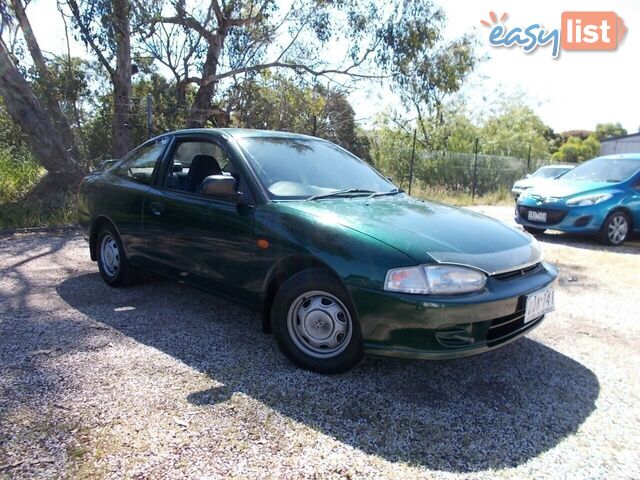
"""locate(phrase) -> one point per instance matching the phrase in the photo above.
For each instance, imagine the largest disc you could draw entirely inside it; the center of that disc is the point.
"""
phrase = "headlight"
(434, 280)
(589, 199)
(525, 193)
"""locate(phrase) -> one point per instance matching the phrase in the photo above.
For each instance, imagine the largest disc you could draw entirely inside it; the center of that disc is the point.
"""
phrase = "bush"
(17, 176)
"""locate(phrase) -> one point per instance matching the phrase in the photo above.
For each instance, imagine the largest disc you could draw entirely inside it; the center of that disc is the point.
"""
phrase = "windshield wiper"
(381, 194)
(338, 193)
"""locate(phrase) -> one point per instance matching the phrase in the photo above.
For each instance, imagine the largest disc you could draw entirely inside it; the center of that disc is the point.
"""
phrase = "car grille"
(501, 329)
(553, 216)
(519, 273)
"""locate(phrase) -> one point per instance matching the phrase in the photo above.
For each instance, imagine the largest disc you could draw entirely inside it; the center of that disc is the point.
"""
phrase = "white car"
(548, 172)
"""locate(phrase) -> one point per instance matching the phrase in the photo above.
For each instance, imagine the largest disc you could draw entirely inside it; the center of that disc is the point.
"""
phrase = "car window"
(604, 169)
(193, 161)
(300, 167)
(549, 172)
(140, 164)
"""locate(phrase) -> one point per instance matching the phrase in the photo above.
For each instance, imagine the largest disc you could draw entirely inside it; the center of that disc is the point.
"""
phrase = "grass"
(17, 178)
(502, 196)
(21, 214)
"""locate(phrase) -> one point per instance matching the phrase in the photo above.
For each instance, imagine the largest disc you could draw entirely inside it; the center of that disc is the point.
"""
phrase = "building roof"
(620, 137)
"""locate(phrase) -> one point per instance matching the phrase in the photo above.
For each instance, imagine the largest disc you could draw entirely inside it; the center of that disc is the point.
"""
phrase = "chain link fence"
(469, 173)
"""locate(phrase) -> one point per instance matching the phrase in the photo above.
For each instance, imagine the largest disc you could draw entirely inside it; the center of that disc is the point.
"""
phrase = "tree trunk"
(121, 79)
(63, 128)
(43, 132)
(202, 107)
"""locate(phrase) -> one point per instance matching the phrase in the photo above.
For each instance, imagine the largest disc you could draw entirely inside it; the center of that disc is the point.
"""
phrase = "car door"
(203, 240)
(121, 193)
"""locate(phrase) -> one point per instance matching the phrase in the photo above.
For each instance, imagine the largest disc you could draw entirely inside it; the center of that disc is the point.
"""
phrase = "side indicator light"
(262, 243)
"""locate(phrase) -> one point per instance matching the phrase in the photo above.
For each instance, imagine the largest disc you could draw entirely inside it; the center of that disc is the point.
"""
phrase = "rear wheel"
(114, 267)
(315, 324)
(615, 229)
(534, 230)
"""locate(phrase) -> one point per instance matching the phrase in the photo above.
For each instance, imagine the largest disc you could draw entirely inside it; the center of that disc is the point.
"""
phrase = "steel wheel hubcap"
(319, 324)
(110, 255)
(617, 229)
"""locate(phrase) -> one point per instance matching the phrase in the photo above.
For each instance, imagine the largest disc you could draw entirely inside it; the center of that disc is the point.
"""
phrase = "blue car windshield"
(549, 172)
(604, 170)
(300, 168)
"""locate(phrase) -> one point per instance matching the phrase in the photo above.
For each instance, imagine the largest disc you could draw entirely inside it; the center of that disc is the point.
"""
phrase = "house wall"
(621, 145)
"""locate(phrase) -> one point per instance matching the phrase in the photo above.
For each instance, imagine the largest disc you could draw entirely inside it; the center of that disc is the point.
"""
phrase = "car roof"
(245, 132)
(556, 165)
(620, 156)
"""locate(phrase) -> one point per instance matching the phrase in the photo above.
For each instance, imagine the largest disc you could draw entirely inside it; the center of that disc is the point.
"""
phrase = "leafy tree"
(104, 27)
(604, 130)
(275, 102)
(581, 134)
(50, 137)
(230, 42)
(513, 131)
(576, 149)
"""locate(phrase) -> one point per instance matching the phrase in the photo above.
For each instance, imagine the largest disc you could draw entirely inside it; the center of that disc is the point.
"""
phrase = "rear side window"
(193, 161)
(140, 164)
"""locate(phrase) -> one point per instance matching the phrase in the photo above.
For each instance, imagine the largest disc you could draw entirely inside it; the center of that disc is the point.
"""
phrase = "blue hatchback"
(600, 197)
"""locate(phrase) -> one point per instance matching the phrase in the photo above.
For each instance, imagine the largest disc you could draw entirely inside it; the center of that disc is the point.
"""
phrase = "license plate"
(534, 216)
(538, 304)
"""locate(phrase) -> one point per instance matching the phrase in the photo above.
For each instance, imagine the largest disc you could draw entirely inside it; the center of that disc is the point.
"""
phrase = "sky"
(574, 91)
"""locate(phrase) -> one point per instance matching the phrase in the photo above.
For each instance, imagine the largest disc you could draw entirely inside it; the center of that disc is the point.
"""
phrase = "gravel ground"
(161, 380)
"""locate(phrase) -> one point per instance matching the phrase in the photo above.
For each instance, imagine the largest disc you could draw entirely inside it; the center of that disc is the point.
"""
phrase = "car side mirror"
(220, 186)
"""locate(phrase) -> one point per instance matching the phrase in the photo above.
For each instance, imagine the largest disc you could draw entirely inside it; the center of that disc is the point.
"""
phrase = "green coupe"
(338, 260)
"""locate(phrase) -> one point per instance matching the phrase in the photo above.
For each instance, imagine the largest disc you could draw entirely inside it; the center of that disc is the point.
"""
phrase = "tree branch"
(291, 66)
(85, 33)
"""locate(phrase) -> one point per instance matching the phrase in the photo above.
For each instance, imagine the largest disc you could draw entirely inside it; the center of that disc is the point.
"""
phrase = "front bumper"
(587, 219)
(426, 327)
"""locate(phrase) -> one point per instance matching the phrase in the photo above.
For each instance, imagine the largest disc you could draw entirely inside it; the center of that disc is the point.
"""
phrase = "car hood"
(532, 182)
(565, 188)
(428, 231)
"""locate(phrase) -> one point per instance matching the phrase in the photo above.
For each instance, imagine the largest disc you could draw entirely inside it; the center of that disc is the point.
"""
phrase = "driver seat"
(201, 167)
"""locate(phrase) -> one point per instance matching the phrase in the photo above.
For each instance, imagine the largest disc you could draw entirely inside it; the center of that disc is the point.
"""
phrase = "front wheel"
(534, 230)
(615, 229)
(114, 267)
(315, 324)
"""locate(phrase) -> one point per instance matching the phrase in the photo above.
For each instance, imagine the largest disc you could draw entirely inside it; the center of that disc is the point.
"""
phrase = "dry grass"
(500, 197)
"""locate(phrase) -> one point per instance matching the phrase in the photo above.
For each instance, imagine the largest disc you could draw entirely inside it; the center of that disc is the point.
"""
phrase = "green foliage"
(275, 102)
(513, 131)
(605, 130)
(504, 142)
(576, 149)
(17, 176)
(19, 171)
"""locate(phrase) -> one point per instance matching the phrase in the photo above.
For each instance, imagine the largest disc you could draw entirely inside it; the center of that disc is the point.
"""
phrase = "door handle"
(156, 208)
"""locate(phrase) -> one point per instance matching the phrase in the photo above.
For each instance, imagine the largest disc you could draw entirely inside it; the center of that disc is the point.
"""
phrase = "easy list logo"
(579, 31)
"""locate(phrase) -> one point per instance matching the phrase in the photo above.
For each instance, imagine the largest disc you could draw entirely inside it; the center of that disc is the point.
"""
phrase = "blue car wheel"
(615, 229)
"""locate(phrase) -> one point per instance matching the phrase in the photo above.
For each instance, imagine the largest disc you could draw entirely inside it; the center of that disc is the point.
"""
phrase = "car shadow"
(492, 411)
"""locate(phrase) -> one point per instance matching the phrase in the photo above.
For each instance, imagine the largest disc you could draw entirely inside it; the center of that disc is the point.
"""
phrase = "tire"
(534, 230)
(114, 267)
(315, 323)
(615, 229)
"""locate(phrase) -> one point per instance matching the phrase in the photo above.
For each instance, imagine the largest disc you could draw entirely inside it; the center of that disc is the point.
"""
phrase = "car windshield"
(604, 170)
(301, 168)
(549, 172)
